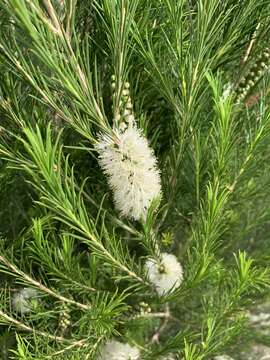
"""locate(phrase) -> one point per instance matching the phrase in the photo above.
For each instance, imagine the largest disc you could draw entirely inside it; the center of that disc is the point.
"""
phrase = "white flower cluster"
(131, 167)
(115, 350)
(21, 300)
(165, 275)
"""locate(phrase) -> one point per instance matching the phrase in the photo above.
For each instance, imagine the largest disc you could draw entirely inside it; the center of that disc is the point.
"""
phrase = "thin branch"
(49, 7)
(249, 48)
(156, 336)
(27, 328)
(69, 18)
(41, 286)
(43, 17)
(157, 315)
(94, 347)
(79, 343)
(67, 37)
(57, 24)
(22, 326)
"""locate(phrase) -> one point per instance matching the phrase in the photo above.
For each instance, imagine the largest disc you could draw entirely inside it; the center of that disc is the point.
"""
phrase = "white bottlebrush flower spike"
(115, 350)
(164, 276)
(131, 167)
(222, 357)
(21, 300)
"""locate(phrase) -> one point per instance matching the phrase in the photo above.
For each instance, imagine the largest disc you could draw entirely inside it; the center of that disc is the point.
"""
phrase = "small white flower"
(115, 350)
(21, 300)
(222, 357)
(164, 276)
(131, 167)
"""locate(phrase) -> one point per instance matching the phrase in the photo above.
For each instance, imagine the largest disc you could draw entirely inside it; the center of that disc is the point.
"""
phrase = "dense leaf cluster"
(61, 234)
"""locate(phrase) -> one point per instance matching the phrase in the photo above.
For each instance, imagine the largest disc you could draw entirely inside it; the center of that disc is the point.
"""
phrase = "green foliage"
(66, 68)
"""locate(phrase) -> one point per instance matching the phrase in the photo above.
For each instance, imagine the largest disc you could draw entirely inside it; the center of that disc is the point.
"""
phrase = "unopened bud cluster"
(125, 116)
(255, 73)
(145, 308)
(64, 320)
